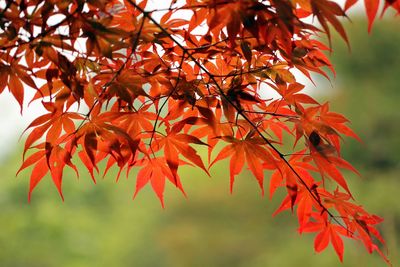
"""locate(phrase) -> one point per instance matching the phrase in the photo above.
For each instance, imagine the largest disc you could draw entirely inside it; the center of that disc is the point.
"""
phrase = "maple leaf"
(248, 150)
(292, 95)
(327, 233)
(327, 11)
(287, 175)
(371, 7)
(326, 162)
(155, 171)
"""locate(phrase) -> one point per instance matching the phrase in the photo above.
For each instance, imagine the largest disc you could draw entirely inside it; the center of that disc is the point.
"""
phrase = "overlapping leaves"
(137, 92)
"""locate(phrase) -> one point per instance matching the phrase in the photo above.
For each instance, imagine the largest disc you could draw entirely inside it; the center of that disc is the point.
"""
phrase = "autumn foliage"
(145, 89)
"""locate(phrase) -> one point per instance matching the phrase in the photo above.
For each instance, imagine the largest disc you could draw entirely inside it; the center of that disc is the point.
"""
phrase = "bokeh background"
(100, 225)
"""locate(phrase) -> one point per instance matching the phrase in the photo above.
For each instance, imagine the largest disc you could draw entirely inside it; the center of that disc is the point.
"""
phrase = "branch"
(212, 77)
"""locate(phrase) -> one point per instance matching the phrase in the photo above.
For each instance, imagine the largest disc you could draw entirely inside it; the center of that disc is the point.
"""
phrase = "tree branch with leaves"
(143, 89)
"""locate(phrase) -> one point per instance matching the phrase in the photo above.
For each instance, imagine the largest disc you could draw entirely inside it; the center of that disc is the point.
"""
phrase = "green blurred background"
(100, 225)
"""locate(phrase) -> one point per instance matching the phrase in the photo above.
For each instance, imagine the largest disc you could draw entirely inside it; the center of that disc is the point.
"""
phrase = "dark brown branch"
(166, 100)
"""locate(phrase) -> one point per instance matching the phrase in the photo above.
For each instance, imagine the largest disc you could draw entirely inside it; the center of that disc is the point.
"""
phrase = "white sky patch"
(12, 122)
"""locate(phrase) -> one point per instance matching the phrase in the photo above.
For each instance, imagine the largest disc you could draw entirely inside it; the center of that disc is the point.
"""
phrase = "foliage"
(124, 87)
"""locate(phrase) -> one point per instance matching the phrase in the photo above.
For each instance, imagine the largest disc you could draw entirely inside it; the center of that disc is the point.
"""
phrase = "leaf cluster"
(141, 88)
